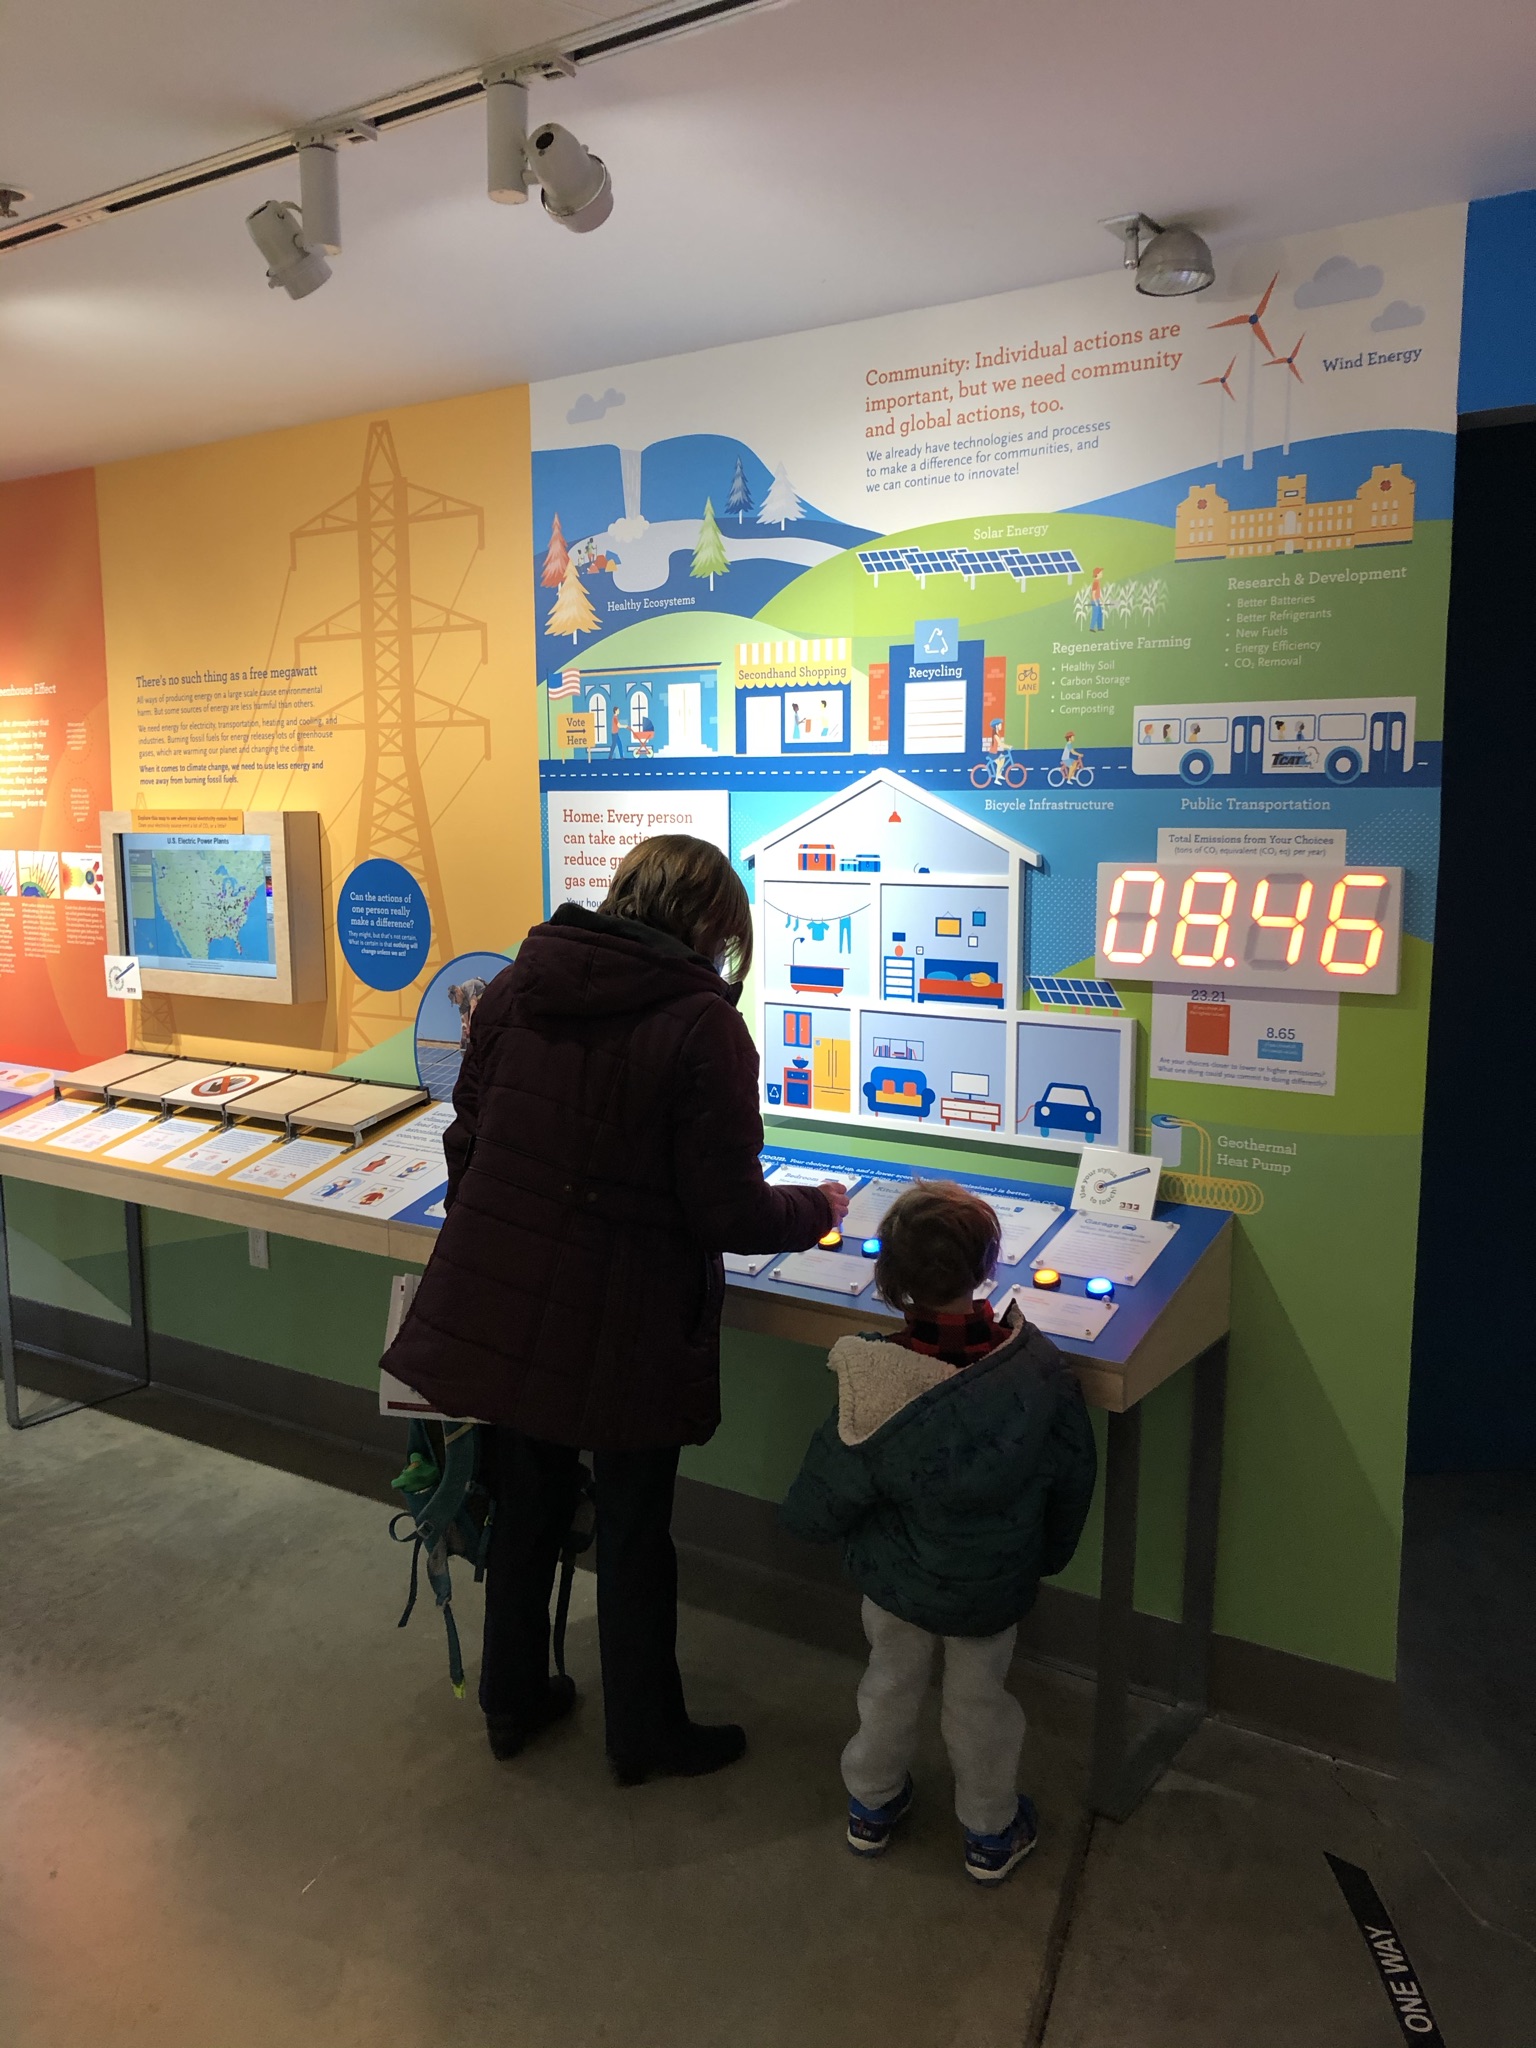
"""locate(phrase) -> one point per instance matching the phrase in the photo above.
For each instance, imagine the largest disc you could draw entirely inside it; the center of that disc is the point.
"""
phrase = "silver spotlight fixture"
(506, 138)
(577, 190)
(575, 186)
(320, 182)
(1173, 264)
(292, 260)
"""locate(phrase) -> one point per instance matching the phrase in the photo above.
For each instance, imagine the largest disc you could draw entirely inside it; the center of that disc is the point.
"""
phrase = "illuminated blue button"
(1100, 1289)
(871, 1247)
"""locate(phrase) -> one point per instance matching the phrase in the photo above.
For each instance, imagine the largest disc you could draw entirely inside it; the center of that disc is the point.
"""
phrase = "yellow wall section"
(216, 560)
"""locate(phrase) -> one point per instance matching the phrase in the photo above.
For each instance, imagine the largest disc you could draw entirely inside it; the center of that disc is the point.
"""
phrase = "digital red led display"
(1260, 924)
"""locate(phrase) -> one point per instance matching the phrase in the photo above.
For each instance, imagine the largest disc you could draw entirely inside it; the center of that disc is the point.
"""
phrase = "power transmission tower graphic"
(387, 619)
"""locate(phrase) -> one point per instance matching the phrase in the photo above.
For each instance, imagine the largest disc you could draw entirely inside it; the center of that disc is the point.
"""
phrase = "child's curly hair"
(938, 1241)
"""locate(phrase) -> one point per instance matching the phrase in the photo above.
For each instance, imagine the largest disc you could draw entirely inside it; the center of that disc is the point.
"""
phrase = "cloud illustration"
(1398, 314)
(1337, 280)
(589, 408)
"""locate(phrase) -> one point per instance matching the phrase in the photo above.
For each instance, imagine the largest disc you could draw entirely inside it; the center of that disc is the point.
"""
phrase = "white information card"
(748, 1263)
(1072, 1316)
(832, 1272)
(148, 1147)
(111, 1125)
(40, 1124)
(1111, 1247)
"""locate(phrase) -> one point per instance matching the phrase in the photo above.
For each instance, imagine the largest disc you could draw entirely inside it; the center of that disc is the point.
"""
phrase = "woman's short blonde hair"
(688, 888)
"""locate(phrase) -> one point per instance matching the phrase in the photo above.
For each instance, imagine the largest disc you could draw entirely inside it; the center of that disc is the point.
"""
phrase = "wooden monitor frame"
(298, 911)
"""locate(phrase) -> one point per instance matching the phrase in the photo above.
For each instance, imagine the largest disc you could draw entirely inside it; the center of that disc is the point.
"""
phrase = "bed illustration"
(960, 981)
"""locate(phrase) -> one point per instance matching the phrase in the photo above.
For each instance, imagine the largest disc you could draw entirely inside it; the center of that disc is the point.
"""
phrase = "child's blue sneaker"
(991, 1858)
(870, 1827)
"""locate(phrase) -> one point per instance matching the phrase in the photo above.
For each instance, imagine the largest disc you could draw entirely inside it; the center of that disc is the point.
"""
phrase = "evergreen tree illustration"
(781, 504)
(556, 560)
(740, 499)
(709, 553)
(572, 610)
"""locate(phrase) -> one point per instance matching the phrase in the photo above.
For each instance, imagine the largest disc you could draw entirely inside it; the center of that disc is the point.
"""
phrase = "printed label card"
(1111, 1183)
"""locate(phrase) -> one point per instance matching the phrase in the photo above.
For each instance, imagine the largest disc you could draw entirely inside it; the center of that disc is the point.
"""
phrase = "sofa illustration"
(898, 1091)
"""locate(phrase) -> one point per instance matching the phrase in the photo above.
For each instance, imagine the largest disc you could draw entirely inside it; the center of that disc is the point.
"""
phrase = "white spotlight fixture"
(319, 182)
(506, 139)
(577, 190)
(320, 193)
(292, 261)
(1172, 265)
(575, 186)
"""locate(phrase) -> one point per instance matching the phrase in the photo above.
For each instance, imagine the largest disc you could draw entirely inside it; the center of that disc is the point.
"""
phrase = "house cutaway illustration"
(890, 960)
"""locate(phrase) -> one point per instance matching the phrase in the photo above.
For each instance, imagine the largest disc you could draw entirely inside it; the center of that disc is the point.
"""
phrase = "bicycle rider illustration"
(1071, 768)
(999, 770)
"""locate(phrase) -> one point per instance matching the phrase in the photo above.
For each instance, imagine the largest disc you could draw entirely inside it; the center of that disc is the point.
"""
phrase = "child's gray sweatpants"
(982, 1722)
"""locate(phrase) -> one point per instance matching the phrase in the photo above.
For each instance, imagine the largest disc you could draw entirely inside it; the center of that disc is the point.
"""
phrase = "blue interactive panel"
(1137, 1307)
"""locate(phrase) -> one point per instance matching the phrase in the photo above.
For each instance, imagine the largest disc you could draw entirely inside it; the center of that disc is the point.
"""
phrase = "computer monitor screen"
(200, 900)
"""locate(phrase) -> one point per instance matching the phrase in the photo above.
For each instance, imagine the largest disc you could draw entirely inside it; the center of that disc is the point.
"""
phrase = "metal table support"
(1123, 1770)
(138, 1323)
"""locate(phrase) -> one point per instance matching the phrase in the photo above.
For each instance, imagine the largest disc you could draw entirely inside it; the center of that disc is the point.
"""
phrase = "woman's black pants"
(536, 1494)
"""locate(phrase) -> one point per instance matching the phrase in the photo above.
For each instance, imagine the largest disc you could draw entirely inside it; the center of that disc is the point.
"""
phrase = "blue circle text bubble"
(383, 923)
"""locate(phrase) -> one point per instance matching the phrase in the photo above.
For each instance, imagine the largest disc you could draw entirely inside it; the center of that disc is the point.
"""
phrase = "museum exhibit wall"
(981, 597)
(234, 612)
(1259, 522)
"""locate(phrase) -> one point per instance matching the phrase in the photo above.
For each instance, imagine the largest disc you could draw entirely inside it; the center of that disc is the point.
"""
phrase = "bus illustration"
(1341, 738)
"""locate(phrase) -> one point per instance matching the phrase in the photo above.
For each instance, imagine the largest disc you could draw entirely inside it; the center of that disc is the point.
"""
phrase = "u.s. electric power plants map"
(203, 898)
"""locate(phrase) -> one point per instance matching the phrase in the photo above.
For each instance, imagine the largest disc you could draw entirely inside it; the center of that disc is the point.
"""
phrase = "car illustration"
(1066, 1106)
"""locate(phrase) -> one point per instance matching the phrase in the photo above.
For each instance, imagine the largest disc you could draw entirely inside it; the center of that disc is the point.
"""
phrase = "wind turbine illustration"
(1254, 322)
(1289, 363)
(1225, 381)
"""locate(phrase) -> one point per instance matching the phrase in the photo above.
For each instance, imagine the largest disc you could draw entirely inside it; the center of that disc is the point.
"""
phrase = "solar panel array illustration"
(1068, 992)
(969, 563)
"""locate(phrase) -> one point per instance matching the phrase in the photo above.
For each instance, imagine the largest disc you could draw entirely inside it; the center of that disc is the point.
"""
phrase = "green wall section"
(313, 1309)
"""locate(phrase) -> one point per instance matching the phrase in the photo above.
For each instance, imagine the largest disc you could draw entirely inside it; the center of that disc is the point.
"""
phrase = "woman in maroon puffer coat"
(603, 1154)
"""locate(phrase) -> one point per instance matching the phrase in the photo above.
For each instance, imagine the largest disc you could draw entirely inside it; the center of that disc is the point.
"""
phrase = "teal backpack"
(449, 1511)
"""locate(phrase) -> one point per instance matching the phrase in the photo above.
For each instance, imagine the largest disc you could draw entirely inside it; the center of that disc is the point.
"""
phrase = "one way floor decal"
(1398, 1976)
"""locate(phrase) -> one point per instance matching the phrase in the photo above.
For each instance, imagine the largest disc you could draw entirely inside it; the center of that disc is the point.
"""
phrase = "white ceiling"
(812, 163)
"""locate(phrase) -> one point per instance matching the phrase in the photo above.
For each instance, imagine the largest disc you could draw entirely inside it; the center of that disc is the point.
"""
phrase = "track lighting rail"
(558, 59)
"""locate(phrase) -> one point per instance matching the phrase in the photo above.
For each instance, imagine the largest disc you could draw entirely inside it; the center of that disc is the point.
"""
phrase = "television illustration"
(971, 1103)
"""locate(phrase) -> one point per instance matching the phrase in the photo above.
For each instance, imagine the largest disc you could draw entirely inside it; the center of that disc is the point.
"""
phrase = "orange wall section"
(54, 776)
(277, 607)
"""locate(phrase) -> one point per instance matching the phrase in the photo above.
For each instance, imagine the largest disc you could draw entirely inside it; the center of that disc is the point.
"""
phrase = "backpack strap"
(435, 1497)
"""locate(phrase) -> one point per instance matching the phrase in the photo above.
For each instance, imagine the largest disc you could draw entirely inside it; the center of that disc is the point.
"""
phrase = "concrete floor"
(242, 1811)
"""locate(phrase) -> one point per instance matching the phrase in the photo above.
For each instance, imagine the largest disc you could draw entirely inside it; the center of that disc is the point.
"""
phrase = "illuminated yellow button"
(1047, 1276)
(831, 1241)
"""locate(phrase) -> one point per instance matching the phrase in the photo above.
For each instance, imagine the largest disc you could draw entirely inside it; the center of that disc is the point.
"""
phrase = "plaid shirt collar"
(958, 1340)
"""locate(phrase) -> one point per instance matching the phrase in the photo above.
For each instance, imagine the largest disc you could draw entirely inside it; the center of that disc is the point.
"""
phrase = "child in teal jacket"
(957, 1472)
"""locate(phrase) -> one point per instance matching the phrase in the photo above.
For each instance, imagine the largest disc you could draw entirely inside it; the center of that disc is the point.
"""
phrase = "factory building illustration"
(1207, 528)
